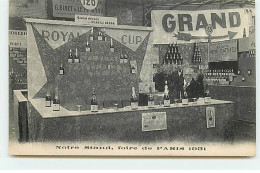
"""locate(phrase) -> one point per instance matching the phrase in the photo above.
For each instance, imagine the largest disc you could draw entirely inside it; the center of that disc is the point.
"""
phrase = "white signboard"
(17, 38)
(190, 26)
(210, 117)
(95, 20)
(154, 121)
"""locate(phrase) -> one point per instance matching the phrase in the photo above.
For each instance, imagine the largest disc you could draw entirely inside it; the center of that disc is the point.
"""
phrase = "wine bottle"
(125, 59)
(150, 98)
(170, 58)
(184, 98)
(133, 70)
(76, 60)
(91, 37)
(121, 58)
(88, 49)
(207, 95)
(48, 98)
(94, 103)
(61, 69)
(181, 59)
(134, 99)
(112, 49)
(100, 38)
(166, 98)
(70, 58)
(56, 101)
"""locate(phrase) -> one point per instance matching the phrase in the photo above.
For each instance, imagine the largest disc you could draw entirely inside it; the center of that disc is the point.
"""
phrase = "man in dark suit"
(176, 82)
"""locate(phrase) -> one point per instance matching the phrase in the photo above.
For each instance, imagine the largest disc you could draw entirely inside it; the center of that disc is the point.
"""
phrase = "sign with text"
(210, 117)
(154, 121)
(95, 20)
(89, 4)
(17, 38)
(189, 26)
(69, 8)
(223, 51)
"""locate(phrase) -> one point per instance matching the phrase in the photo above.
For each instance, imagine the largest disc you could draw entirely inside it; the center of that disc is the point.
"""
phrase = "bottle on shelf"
(121, 58)
(150, 98)
(166, 98)
(76, 60)
(133, 70)
(61, 69)
(207, 97)
(125, 59)
(94, 103)
(100, 38)
(112, 48)
(70, 58)
(134, 99)
(243, 78)
(91, 37)
(105, 35)
(174, 58)
(170, 58)
(56, 101)
(48, 98)
(181, 59)
(88, 49)
(184, 98)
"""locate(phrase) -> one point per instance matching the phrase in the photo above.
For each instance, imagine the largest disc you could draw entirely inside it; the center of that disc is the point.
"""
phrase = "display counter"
(183, 123)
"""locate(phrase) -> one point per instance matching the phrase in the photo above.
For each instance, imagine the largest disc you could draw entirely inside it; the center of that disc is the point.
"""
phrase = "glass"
(116, 106)
(79, 106)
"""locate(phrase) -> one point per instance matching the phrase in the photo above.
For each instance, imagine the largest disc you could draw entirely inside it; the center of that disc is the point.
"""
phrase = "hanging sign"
(210, 117)
(68, 8)
(223, 51)
(96, 20)
(154, 121)
(197, 26)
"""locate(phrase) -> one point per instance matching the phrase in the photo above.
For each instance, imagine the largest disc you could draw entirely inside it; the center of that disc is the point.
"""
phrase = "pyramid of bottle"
(197, 54)
(173, 55)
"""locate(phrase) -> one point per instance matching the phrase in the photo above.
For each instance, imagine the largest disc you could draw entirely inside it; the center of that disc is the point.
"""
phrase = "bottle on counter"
(134, 99)
(125, 59)
(100, 38)
(93, 102)
(88, 49)
(61, 69)
(70, 58)
(207, 97)
(48, 98)
(121, 58)
(184, 98)
(150, 98)
(91, 37)
(56, 101)
(166, 98)
(76, 60)
(112, 48)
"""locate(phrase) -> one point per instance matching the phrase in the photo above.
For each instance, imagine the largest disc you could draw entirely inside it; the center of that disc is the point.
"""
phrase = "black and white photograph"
(132, 77)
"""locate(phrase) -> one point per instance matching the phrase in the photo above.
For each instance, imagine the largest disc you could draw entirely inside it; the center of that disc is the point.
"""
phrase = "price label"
(89, 4)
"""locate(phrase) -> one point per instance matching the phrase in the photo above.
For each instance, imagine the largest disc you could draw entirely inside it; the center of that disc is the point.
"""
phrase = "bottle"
(70, 58)
(166, 58)
(244, 33)
(174, 59)
(170, 58)
(112, 49)
(184, 99)
(133, 70)
(61, 69)
(88, 49)
(181, 59)
(125, 59)
(100, 36)
(243, 78)
(134, 99)
(166, 98)
(207, 97)
(121, 58)
(91, 37)
(94, 103)
(56, 101)
(76, 60)
(48, 98)
(150, 98)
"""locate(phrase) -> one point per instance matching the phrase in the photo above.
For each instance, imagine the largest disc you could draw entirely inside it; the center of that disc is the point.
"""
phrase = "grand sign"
(182, 26)
(68, 8)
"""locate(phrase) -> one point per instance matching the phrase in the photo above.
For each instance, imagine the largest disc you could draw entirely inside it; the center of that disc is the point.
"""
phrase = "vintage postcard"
(132, 77)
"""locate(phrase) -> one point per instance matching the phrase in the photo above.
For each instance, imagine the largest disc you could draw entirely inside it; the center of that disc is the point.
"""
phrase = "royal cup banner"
(190, 26)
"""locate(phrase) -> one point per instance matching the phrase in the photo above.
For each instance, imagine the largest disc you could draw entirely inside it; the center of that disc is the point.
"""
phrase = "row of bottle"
(111, 46)
(252, 53)
(102, 36)
(197, 54)
(218, 74)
